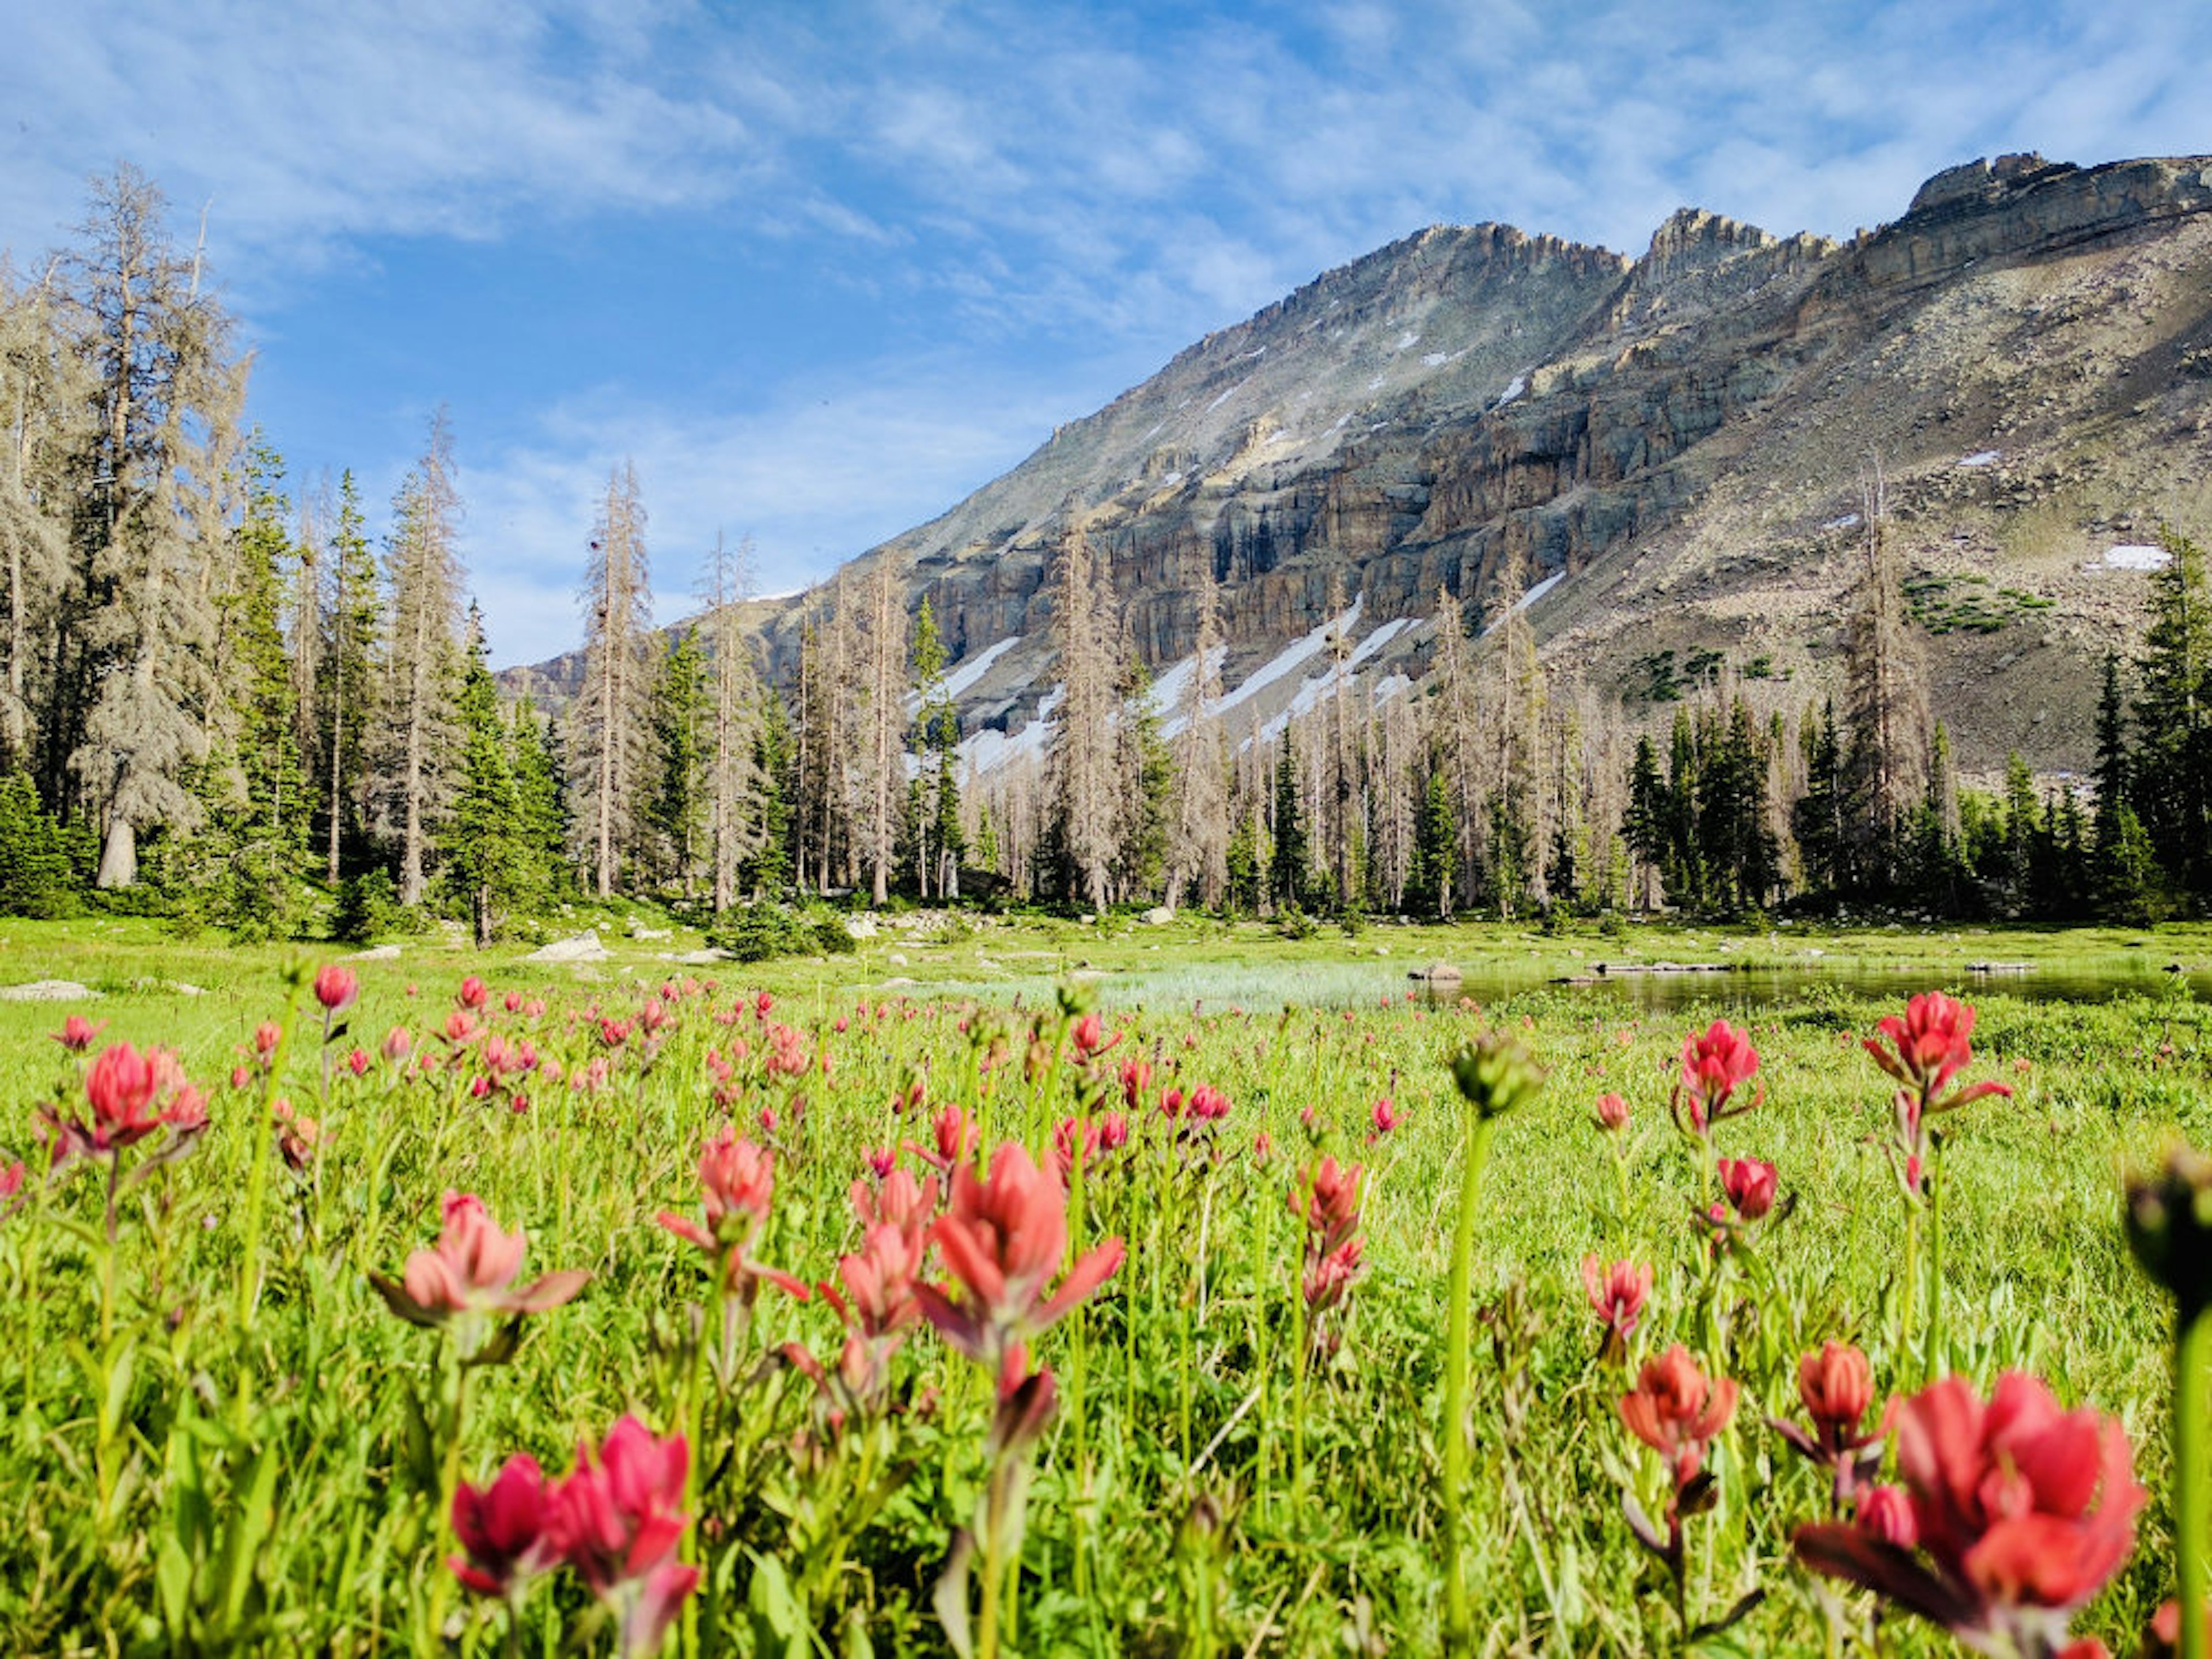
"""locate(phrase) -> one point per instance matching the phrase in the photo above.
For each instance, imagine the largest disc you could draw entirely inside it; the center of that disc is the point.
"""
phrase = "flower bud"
(2169, 1222)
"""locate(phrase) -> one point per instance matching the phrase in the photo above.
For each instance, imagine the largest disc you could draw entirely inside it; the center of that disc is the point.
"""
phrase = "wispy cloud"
(1046, 199)
(823, 473)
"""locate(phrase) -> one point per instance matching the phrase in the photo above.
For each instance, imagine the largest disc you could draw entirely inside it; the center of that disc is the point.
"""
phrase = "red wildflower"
(501, 1528)
(1386, 1116)
(1004, 1238)
(1136, 1077)
(471, 1269)
(1617, 1296)
(336, 988)
(398, 1044)
(474, 993)
(77, 1033)
(737, 1181)
(1675, 1410)
(1612, 1113)
(1928, 1047)
(616, 1520)
(1714, 1062)
(1886, 1512)
(1749, 1184)
(132, 1095)
(2020, 1512)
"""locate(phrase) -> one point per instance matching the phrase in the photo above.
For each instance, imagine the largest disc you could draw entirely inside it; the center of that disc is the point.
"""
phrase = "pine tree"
(153, 531)
(541, 811)
(733, 830)
(260, 820)
(2172, 776)
(1817, 818)
(1082, 786)
(683, 753)
(1198, 854)
(886, 699)
(1146, 772)
(610, 752)
(1644, 824)
(938, 840)
(1287, 870)
(774, 768)
(420, 742)
(45, 408)
(486, 857)
(353, 636)
(2111, 768)
(1885, 759)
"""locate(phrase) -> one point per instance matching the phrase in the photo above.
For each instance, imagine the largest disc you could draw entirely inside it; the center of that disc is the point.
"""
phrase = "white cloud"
(814, 478)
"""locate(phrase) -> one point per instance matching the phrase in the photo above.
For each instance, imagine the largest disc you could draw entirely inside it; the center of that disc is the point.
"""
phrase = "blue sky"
(820, 270)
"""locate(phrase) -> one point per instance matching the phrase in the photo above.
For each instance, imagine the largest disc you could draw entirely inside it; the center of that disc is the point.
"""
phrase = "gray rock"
(1159, 917)
(47, 990)
(580, 947)
(380, 953)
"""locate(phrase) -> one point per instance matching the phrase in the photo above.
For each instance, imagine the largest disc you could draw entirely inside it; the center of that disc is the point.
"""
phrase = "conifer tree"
(1287, 868)
(541, 811)
(2172, 776)
(45, 404)
(257, 798)
(683, 736)
(2111, 770)
(153, 531)
(419, 738)
(1885, 758)
(1198, 854)
(354, 633)
(1082, 786)
(610, 750)
(486, 857)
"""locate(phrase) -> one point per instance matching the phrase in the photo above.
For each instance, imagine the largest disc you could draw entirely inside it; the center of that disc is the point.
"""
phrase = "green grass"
(274, 1482)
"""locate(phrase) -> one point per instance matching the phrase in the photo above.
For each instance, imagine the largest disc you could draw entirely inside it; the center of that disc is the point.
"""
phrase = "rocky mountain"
(1666, 457)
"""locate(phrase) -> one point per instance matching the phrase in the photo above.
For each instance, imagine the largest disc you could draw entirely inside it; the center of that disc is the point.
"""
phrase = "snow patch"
(1982, 458)
(1842, 521)
(1537, 590)
(1283, 661)
(1514, 388)
(2133, 555)
(962, 679)
(1225, 397)
(1376, 384)
(1435, 359)
(1250, 355)
(1390, 686)
(987, 751)
(1409, 338)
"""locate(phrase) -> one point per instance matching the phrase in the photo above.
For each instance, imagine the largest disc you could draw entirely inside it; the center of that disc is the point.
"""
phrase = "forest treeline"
(222, 701)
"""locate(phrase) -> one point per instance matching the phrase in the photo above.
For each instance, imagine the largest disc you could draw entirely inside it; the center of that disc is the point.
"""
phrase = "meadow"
(1047, 1288)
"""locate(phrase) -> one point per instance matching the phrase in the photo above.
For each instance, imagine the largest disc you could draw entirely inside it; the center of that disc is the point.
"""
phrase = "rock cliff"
(1669, 451)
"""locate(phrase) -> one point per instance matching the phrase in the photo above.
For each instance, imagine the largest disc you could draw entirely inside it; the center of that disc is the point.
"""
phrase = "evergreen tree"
(682, 725)
(2112, 770)
(610, 750)
(541, 811)
(257, 838)
(132, 715)
(487, 858)
(1287, 867)
(768, 871)
(1816, 819)
(1436, 848)
(2170, 786)
(1643, 825)
(1886, 716)
(353, 636)
(419, 739)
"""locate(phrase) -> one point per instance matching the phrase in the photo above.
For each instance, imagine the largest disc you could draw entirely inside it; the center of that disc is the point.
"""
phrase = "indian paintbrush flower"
(1617, 1295)
(336, 988)
(1749, 1184)
(1677, 1411)
(1715, 1063)
(617, 1521)
(501, 1528)
(77, 1033)
(736, 1181)
(1004, 1238)
(471, 1270)
(1836, 1386)
(2021, 1512)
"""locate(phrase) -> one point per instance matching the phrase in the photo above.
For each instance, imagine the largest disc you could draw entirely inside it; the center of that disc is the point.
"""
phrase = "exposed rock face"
(1682, 439)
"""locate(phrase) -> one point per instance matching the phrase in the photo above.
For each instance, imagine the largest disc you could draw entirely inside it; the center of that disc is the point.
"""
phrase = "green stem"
(1908, 1282)
(1458, 1634)
(449, 1482)
(2192, 1474)
(1931, 1358)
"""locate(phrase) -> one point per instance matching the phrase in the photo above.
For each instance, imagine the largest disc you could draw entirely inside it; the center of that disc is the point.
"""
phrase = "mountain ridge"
(1672, 444)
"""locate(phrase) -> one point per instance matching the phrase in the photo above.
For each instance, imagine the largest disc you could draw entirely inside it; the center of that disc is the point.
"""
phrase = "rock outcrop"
(1669, 450)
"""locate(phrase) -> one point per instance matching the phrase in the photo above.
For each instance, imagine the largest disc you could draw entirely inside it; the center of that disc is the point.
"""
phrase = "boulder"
(580, 947)
(47, 990)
